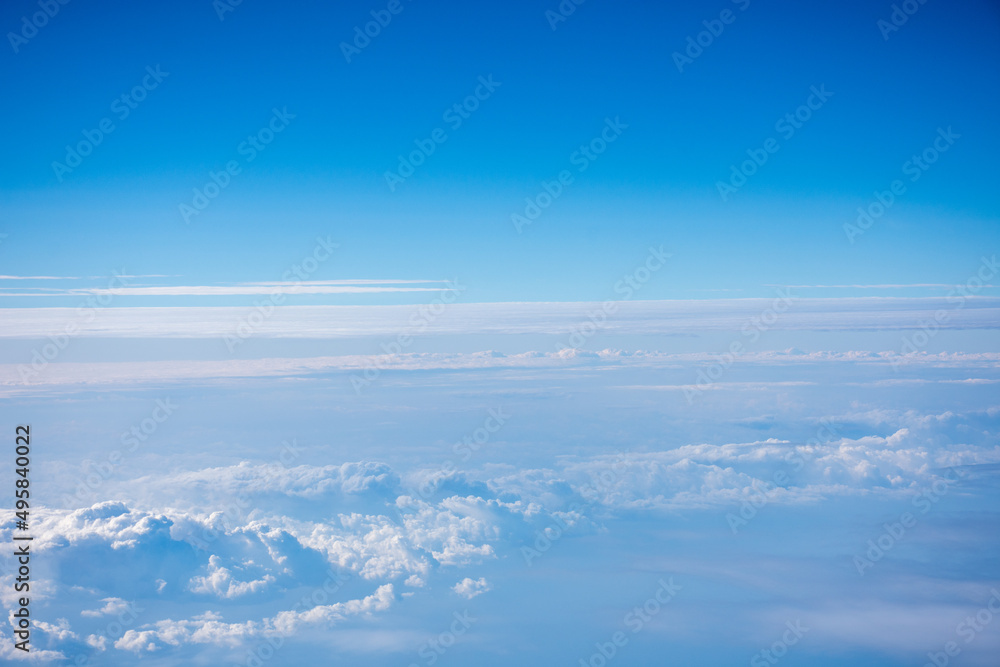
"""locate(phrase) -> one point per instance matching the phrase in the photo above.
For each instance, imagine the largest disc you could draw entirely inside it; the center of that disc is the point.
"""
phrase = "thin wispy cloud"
(152, 372)
(252, 289)
(883, 286)
(237, 289)
(120, 275)
(40, 278)
(634, 317)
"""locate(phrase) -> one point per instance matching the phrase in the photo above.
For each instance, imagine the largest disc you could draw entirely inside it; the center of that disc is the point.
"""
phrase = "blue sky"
(655, 184)
(611, 335)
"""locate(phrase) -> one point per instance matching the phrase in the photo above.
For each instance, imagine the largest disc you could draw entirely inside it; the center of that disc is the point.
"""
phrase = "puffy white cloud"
(108, 522)
(706, 475)
(220, 582)
(411, 541)
(59, 631)
(288, 622)
(112, 606)
(208, 628)
(11, 654)
(41, 589)
(470, 588)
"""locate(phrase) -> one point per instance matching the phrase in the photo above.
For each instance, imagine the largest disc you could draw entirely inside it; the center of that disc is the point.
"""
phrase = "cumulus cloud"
(469, 519)
(470, 588)
(220, 582)
(59, 631)
(42, 589)
(112, 606)
(209, 628)
(11, 654)
(377, 547)
(111, 523)
(707, 475)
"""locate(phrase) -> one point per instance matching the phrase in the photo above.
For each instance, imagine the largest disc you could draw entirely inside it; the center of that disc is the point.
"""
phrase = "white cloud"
(632, 317)
(114, 373)
(882, 286)
(41, 589)
(108, 522)
(11, 654)
(39, 277)
(235, 289)
(123, 275)
(303, 481)
(208, 628)
(220, 582)
(59, 631)
(400, 539)
(245, 290)
(470, 588)
(113, 606)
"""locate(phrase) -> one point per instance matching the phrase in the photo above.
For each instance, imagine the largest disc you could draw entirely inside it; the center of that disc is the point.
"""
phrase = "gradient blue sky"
(324, 174)
(770, 368)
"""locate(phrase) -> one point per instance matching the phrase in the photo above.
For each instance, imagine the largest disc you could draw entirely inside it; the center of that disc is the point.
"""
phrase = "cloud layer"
(634, 317)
